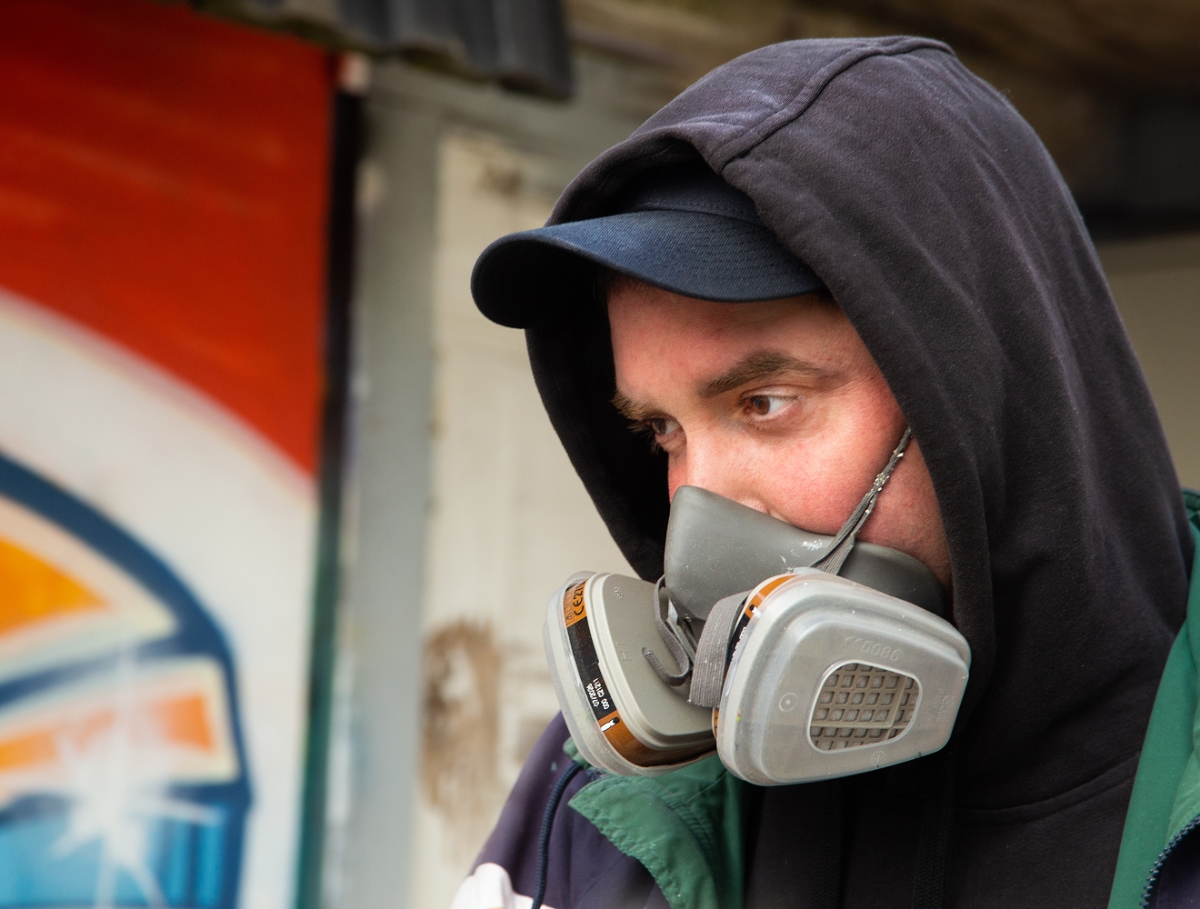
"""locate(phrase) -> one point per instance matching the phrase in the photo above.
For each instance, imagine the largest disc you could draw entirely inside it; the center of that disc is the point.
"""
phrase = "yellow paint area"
(181, 720)
(33, 591)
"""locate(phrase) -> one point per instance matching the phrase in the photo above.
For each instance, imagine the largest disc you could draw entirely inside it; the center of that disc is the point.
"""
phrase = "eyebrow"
(757, 367)
(631, 410)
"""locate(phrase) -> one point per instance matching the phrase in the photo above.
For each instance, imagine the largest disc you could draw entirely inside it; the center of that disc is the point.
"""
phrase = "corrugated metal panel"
(521, 44)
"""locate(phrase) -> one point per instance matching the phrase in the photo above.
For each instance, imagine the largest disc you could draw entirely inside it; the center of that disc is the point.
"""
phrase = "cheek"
(812, 477)
(675, 479)
(907, 517)
(811, 483)
(817, 495)
(818, 484)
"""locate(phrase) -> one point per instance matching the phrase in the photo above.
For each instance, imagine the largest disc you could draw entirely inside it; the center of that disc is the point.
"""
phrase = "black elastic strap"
(544, 838)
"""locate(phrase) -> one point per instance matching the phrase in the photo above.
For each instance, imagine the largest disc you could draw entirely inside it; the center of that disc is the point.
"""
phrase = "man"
(812, 248)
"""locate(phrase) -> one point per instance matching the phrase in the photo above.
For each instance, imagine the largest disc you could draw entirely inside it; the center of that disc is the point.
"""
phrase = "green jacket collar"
(685, 827)
(1166, 792)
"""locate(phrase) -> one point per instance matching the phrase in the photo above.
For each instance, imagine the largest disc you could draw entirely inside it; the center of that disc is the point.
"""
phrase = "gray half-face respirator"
(797, 656)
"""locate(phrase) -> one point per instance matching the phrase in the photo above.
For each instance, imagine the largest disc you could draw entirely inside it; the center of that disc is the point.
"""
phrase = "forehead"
(656, 331)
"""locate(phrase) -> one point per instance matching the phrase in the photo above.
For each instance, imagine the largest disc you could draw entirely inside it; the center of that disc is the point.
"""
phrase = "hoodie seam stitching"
(740, 145)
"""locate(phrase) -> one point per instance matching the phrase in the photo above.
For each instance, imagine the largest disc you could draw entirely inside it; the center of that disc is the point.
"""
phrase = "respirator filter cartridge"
(830, 678)
(621, 716)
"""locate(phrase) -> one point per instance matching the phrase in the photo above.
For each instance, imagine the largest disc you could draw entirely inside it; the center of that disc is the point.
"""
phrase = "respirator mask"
(796, 656)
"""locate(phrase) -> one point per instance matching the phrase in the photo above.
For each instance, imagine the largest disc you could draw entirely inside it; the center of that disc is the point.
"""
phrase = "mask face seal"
(792, 673)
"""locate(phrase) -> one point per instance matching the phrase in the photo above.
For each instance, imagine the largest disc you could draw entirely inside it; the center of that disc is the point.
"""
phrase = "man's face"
(777, 405)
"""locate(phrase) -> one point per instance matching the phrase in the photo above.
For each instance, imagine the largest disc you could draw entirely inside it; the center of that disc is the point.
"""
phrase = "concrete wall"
(510, 522)
(455, 530)
(1156, 284)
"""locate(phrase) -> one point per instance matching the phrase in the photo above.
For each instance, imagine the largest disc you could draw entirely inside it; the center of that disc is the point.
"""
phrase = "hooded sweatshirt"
(943, 230)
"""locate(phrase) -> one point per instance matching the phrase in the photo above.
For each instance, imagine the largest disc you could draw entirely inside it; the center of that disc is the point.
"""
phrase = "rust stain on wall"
(461, 728)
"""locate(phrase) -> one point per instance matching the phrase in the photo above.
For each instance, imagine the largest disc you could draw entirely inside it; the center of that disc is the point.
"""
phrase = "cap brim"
(526, 279)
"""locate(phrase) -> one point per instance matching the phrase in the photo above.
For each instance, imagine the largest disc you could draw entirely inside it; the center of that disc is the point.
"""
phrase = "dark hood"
(941, 226)
(936, 218)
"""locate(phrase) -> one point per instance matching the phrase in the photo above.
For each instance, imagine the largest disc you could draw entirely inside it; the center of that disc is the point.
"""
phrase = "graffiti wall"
(121, 760)
(163, 183)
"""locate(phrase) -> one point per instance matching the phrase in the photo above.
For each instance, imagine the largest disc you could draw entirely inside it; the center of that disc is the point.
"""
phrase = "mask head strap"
(674, 640)
(843, 542)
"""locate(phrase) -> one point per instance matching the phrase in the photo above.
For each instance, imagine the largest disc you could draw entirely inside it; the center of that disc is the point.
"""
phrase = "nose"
(718, 468)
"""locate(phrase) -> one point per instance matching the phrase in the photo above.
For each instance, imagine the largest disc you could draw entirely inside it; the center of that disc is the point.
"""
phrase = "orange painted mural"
(163, 212)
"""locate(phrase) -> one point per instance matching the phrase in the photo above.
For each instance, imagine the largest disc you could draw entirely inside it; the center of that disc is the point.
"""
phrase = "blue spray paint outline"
(196, 633)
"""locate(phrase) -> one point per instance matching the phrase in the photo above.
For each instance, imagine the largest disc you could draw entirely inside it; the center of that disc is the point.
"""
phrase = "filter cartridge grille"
(862, 705)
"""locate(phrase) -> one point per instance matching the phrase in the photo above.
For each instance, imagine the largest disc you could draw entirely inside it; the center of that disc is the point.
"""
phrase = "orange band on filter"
(755, 600)
(611, 725)
(626, 745)
(574, 604)
(635, 752)
(764, 590)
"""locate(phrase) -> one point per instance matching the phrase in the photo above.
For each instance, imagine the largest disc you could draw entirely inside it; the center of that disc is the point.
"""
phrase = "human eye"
(662, 427)
(760, 405)
(664, 430)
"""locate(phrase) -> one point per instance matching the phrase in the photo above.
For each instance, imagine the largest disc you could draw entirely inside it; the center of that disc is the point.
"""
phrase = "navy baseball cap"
(683, 229)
